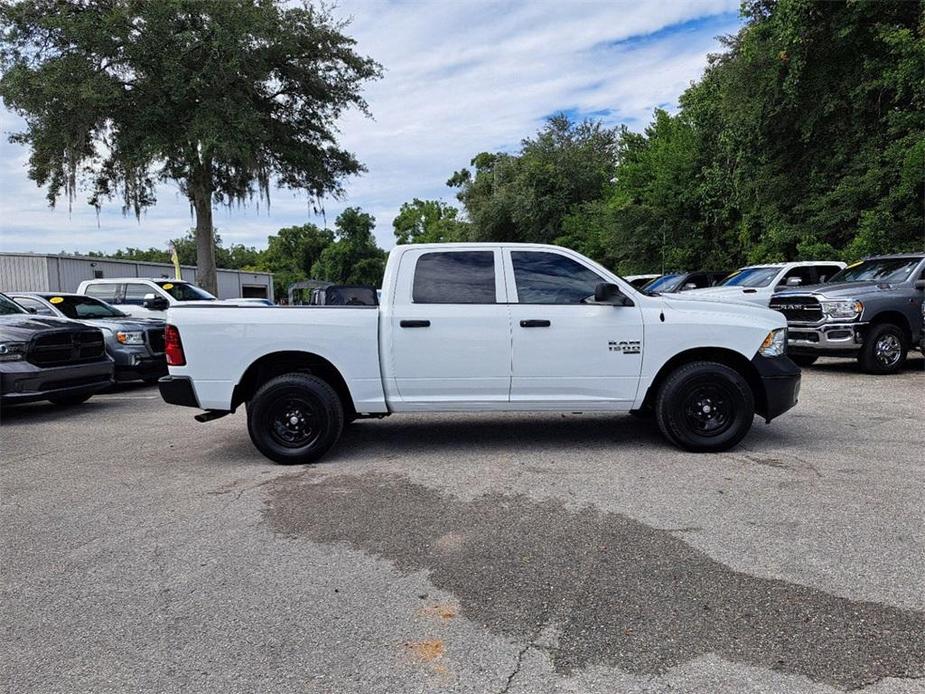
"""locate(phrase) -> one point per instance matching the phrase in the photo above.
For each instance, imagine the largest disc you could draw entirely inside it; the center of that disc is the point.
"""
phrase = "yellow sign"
(56, 299)
(167, 285)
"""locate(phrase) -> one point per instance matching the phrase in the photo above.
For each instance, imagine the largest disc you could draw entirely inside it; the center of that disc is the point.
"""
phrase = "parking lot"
(143, 551)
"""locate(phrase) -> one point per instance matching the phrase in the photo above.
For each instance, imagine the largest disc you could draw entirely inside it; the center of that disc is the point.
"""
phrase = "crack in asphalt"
(618, 592)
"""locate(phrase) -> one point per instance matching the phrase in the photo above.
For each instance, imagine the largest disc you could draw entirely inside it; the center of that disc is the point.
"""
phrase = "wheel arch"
(896, 318)
(288, 361)
(721, 355)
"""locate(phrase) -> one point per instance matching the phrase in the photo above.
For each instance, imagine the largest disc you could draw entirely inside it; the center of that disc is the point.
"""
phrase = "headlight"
(775, 344)
(842, 309)
(12, 351)
(131, 338)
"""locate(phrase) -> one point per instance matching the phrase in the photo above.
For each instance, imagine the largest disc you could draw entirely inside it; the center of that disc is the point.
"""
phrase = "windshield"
(751, 277)
(887, 270)
(84, 307)
(181, 291)
(8, 307)
(665, 283)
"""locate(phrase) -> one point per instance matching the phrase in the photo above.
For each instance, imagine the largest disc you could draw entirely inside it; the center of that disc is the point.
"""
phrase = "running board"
(209, 415)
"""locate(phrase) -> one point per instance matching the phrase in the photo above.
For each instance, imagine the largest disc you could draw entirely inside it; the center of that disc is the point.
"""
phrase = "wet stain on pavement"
(616, 591)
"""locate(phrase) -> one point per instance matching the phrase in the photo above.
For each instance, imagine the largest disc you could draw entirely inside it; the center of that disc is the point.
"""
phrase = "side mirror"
(607, 293)
(794, 281)
(920, 284)
(29, 309)
(152, 302)
(689, 285)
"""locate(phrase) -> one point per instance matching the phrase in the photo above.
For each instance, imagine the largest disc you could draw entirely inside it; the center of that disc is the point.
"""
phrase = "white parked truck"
(486, 327)
(756, 284)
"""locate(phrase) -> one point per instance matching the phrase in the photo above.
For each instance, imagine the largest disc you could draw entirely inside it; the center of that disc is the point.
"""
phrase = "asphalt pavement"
(145, 552)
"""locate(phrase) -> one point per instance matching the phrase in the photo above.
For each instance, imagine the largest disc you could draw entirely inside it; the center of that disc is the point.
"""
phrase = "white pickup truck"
(487, 327)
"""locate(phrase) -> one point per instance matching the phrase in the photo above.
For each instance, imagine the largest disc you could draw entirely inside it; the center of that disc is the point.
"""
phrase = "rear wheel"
(70, 400)
(803, 359)
(295, 418)
(884, 350)
(705, 407)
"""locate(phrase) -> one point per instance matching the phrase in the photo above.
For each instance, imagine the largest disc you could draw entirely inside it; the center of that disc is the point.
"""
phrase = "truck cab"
(755, 284)
(483, 327)
(143, 297)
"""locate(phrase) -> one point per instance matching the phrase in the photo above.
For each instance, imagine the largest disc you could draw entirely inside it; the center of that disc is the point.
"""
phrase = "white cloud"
(460, 78)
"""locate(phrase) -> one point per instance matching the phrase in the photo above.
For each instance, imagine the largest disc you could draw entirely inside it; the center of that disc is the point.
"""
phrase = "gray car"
(136, 345)
(871, 311)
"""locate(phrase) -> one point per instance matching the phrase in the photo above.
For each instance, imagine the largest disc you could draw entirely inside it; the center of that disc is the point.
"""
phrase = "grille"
(798, 309)
(57, 349)
(156, 340)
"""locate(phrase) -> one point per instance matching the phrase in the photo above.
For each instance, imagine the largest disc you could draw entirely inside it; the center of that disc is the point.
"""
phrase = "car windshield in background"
(84, 307)
(664, 283)
(751, 277)
(884, 270)
(185, 292)
(8, 307)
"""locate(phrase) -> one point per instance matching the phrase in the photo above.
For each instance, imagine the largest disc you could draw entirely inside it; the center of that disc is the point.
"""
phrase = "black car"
(682, 281)
(43, 358)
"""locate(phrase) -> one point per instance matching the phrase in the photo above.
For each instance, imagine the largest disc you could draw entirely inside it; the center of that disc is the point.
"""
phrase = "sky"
(460, 77)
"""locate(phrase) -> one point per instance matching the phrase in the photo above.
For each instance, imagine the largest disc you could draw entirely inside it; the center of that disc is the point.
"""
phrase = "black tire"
(803, 360)
(705, 407)
(70, 400)
(295, 418)
(884, 350)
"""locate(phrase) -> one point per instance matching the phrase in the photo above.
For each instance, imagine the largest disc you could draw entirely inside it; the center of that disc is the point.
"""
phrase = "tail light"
(173, 347)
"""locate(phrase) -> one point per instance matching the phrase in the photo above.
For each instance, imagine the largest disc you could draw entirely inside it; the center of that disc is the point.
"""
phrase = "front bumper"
(137, 361)
(22, 382)
(178, 390)
(780, 379)
(825, 338)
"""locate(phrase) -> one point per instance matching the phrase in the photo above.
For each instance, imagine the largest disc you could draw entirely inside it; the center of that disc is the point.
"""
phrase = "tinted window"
(463, 277)
(825, 272)
(135, 293)
(84, 307)
(185, 292)
(798, 277)
(751, 277)
(550, 278)
(665, 283)
(882, 270)
(9, 307)
(106, 292)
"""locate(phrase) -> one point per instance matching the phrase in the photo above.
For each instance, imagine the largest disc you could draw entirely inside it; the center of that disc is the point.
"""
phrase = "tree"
(525, 197)
(220, 96)
(354, 257)
(291, 252)
(428, 221)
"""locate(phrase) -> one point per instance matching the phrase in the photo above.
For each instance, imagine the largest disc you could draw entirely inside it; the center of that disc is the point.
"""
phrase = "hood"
(838, 289)
(127, 323)
(756, 314)
(22, 328)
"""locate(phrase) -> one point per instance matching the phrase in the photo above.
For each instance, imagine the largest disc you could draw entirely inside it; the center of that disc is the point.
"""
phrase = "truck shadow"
(593, 588)
(914, 364)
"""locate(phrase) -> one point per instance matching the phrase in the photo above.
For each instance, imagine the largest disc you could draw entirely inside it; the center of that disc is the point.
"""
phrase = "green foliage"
(353, 257)
(219, 96)
(429, 221)
(804, 139)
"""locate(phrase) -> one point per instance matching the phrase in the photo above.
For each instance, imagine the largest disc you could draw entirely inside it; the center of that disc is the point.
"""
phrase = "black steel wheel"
(884, 350)
(295, 418)
(705, 406)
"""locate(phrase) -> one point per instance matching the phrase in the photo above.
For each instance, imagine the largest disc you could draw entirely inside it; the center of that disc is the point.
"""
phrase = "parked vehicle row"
(49, 358)
(143, 297)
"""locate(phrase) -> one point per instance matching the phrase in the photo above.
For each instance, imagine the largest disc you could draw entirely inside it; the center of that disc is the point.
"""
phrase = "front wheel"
(884, 350)
(705, 407)
(295, 418)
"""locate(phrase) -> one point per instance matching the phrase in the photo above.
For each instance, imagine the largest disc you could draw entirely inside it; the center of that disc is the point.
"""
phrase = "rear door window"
(799, 277)
(825, 272)
(455, 277)
(108, 292)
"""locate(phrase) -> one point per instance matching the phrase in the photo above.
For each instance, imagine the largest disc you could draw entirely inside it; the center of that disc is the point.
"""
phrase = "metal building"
(35, 272)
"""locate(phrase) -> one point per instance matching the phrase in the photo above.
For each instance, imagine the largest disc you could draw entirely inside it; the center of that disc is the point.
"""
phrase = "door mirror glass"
(689, 285)
(607, 293)
(794, 281)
